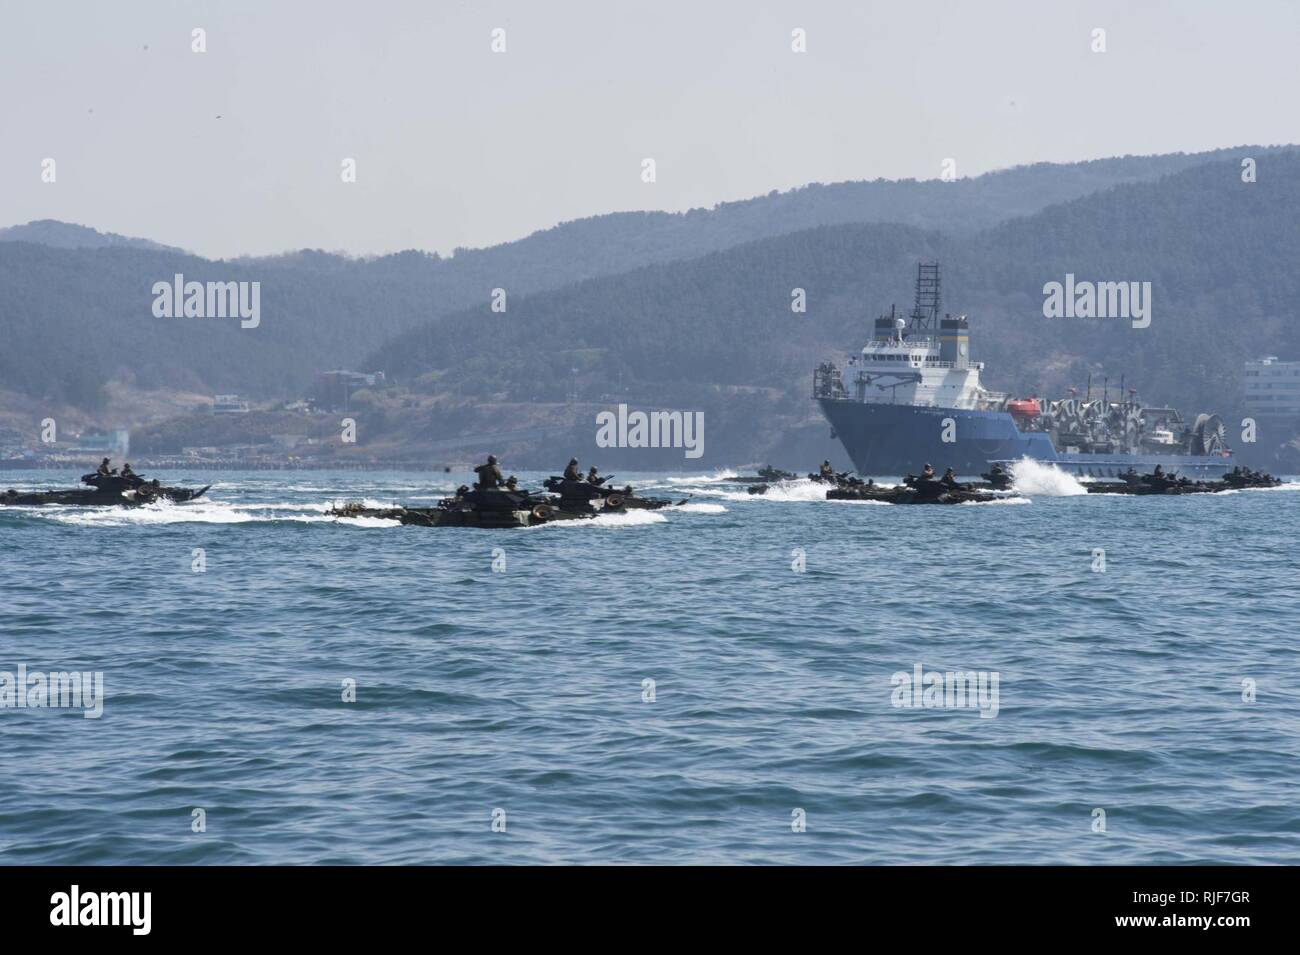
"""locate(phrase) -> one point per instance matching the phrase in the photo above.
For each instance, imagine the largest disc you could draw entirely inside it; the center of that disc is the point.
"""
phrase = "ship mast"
(925, 313)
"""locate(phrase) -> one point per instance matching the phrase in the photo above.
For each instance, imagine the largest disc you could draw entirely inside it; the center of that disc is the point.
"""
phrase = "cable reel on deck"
(1209, 436)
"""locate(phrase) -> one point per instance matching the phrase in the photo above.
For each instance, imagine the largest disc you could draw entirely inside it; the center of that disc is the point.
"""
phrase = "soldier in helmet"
(512, 483)
(927, 473)
(104, 470)
(571, 473)
(594, 478)
(1158, 477)
(949, 478)
(998, 476)
(489, 474)
(826, 471)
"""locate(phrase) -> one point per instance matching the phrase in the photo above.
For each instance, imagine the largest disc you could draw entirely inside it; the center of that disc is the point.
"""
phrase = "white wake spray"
(781, 492)
(1037, 479)
(204, 511)
(698, 508)
(718, 477)
(637, 518)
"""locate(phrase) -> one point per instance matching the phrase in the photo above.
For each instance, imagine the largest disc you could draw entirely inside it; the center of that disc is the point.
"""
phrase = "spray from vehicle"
(1036, 479)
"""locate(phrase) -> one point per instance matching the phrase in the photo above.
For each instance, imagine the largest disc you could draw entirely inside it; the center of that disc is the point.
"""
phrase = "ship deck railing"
(925, 363)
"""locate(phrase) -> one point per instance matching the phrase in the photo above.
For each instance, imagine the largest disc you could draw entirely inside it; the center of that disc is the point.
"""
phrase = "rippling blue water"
(523, 691)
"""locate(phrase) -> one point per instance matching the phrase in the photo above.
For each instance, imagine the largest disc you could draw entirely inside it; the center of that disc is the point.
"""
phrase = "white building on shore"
(1272, 388)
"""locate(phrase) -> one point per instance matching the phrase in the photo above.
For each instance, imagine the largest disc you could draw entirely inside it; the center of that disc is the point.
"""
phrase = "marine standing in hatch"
(489, 474)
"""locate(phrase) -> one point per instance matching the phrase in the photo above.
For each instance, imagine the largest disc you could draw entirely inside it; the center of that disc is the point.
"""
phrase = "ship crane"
(900, 378)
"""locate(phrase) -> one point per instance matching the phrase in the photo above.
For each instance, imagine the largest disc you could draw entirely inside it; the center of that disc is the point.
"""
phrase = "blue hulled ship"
(913, 396)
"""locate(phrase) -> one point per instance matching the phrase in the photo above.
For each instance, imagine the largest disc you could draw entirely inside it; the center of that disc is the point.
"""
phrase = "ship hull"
(888, 439)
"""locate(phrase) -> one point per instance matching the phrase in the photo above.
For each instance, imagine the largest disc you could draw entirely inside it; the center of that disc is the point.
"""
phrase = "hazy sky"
(239, 149)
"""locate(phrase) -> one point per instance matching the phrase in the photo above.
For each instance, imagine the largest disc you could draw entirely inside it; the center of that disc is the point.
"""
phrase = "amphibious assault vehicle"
(504, 507)
(1158, 482)
(914, 490)
(583, 495)
(105, 490)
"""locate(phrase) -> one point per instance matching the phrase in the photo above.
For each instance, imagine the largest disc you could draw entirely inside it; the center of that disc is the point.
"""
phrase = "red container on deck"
(1024, 407)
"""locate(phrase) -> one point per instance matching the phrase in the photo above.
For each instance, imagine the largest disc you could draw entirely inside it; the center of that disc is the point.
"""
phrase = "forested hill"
(76, 304)
(1220, 254)
(65, 235)
(619, 242)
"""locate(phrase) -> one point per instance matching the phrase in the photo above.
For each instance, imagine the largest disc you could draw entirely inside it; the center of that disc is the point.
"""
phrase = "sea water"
(726, 681)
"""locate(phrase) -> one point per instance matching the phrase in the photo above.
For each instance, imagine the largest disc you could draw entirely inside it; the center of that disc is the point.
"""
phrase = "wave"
(699, 508)
(1036, 479)
(149, 514)
(197, 512)
(717, 477)
(626, 519)
(366, 521)
(784, 492)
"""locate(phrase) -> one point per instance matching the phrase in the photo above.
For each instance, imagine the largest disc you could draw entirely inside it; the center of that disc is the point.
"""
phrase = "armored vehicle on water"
(478, 507)
(494, 503)
(105, 490)
(1159, 482)
(584, 495)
